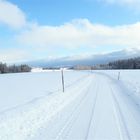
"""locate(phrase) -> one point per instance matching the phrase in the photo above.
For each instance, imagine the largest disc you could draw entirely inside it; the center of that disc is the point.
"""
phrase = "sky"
(45, 29)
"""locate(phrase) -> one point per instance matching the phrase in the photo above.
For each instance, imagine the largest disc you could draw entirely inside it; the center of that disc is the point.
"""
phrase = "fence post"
(119, 75)
(62, 75)
(91, 69)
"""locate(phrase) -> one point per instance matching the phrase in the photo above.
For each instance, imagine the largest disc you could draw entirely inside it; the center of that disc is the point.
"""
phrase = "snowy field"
(18, 89)
(95, 106)
(129, 79)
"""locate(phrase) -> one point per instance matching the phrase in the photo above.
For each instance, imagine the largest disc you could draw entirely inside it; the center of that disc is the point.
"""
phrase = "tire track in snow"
(71, 118)
(65, 130)
(121, 124)
(92, 114)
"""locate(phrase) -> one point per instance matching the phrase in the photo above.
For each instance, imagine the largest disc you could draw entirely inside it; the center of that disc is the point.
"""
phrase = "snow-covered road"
(104, 112)
(96, 108)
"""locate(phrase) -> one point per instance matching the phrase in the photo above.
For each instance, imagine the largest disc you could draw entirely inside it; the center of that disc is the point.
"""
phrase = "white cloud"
(13, 55)
(39, 41)
(81, 33)
(11, 15)
(67, 35)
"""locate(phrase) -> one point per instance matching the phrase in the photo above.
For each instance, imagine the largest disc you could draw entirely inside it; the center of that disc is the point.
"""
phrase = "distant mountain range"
(86, 60)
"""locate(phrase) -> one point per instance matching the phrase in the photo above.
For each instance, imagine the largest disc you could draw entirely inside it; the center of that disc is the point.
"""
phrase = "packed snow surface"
(18, 89)
(95, 106)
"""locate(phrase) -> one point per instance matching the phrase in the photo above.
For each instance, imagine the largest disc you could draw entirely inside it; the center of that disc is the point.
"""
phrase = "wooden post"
(63, 86)
(119, 75)
(91, 69)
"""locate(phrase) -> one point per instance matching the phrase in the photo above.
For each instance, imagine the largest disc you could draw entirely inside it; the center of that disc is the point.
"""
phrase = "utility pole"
(119, 75)
(62, 75)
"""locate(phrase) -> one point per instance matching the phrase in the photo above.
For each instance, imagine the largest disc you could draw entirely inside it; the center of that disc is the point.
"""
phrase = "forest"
(4, 68)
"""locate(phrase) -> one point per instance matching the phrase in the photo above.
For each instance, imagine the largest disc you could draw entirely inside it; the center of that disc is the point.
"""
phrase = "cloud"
(40, 41)
(67, 35)
(81, 33)
(130, 3)
(11, 15)
(76, 34)
(13, 55)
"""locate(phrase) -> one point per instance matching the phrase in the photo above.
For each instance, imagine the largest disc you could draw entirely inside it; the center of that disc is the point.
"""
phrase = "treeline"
(13, 68)
(133, 63)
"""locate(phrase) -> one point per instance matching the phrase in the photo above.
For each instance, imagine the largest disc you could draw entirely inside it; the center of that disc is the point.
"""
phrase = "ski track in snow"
(95, 108)
(119, 119)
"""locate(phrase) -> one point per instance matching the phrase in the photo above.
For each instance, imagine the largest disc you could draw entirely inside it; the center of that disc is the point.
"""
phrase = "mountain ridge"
(85, 59)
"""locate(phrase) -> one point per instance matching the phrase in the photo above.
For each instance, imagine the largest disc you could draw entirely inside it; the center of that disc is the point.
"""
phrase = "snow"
(23, 121)
(96, 105)
(129, 79)
(18, 89)
(37, 70)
